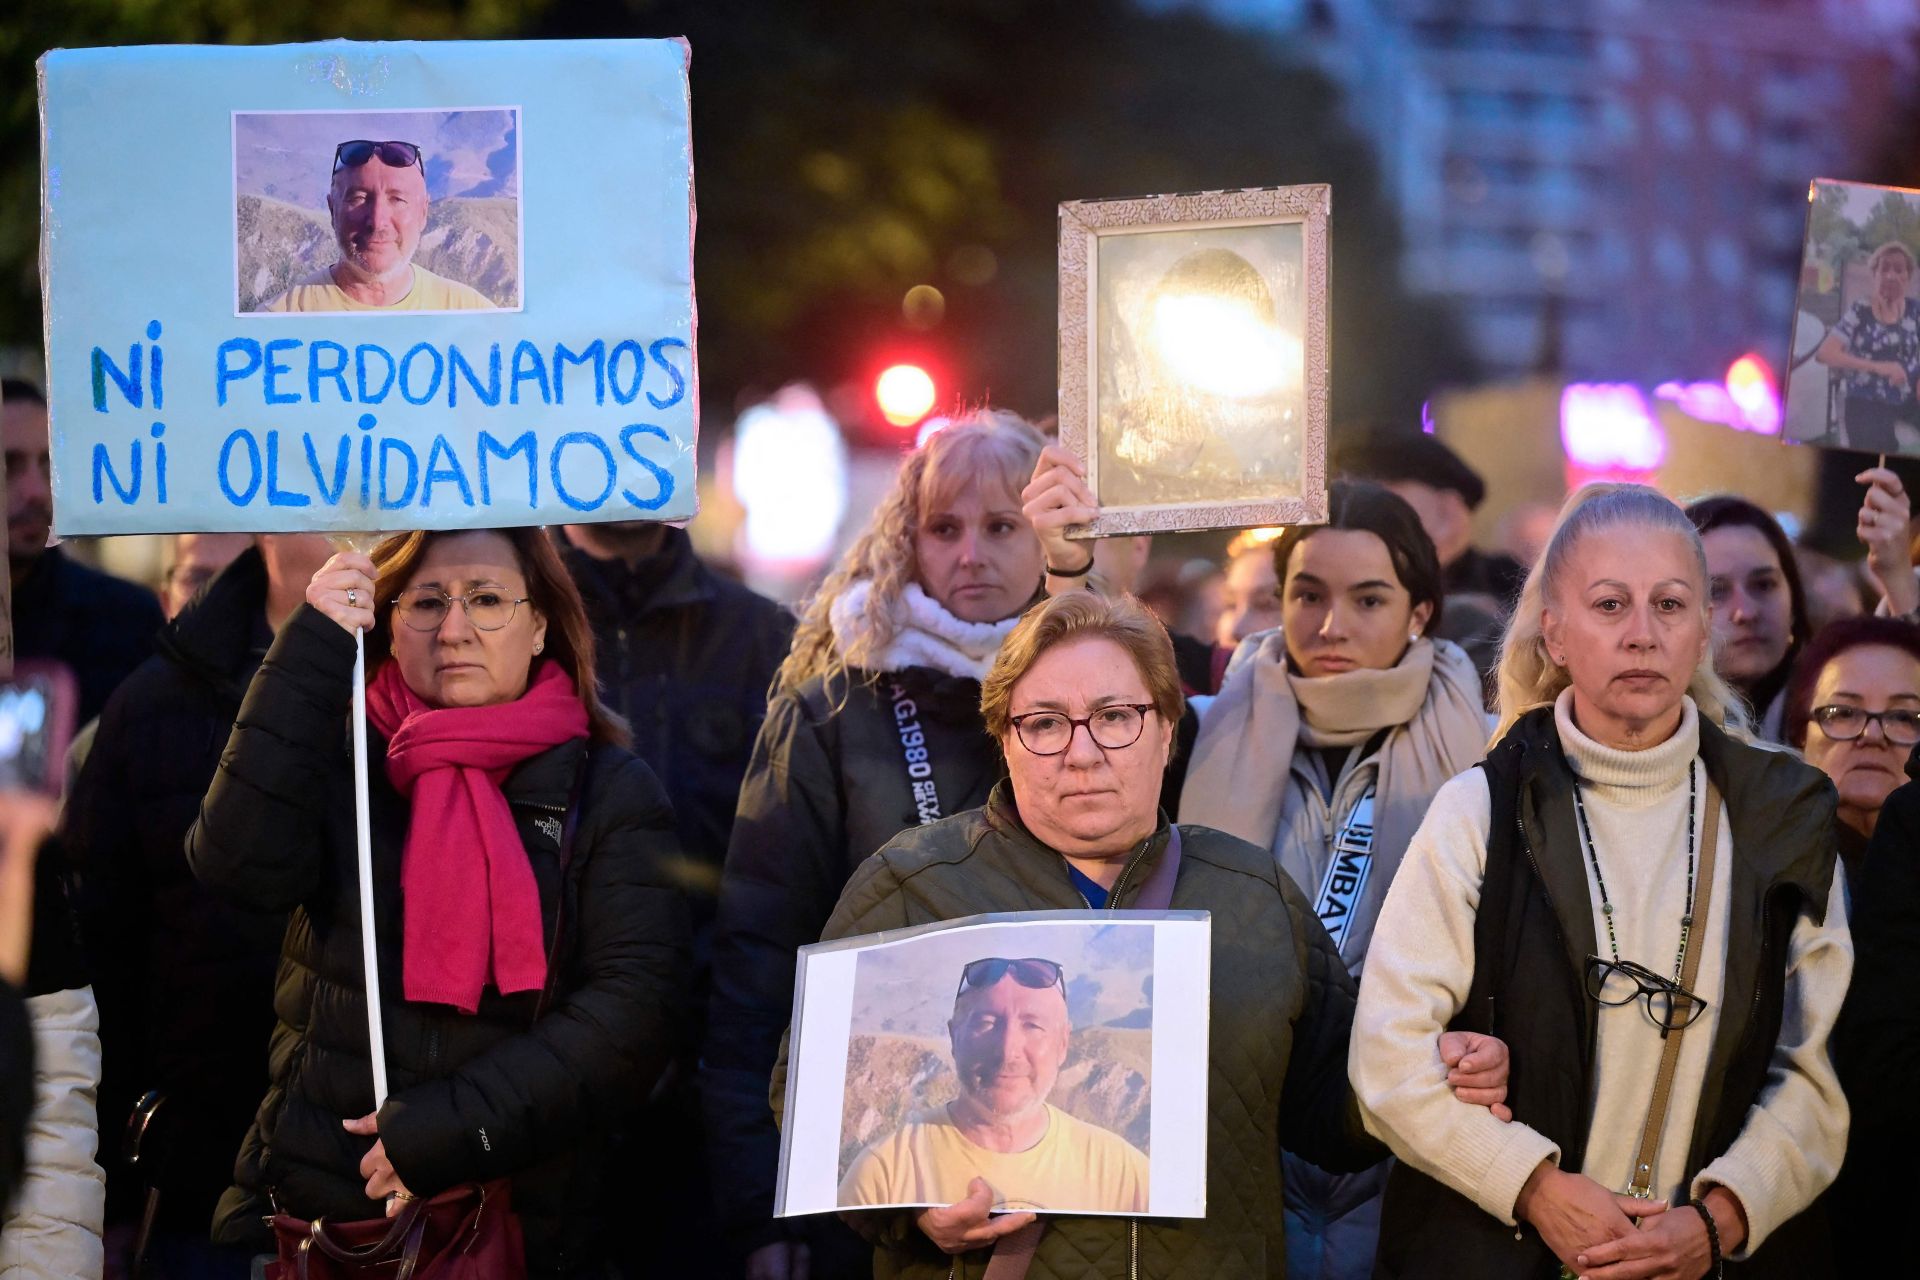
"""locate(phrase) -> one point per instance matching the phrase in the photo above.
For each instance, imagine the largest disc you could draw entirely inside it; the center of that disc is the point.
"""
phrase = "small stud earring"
(1412, 636)
(538, 646)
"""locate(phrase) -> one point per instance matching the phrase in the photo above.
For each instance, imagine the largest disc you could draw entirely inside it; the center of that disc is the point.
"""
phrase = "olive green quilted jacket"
(1277, 1075)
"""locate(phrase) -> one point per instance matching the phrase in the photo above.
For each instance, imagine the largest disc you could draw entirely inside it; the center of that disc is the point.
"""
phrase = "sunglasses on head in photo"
(1029, 972)
(393, 154)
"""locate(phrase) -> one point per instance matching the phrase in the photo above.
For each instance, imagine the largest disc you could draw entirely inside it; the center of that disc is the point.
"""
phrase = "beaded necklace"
(1606, 903)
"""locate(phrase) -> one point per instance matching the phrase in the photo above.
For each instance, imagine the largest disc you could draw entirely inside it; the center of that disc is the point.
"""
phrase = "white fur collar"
(925, 634)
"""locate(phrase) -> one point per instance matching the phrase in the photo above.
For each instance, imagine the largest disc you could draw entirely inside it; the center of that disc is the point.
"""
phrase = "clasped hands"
(1476, 1072)
(1594, 1233)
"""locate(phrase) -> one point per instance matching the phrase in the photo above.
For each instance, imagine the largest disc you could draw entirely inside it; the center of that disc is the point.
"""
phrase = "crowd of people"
(1564, 902)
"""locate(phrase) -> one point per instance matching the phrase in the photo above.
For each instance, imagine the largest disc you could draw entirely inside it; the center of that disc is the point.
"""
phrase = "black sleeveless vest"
(1532, 935)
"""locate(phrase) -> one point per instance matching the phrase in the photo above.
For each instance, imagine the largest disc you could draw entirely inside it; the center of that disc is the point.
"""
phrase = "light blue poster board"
(265, 316)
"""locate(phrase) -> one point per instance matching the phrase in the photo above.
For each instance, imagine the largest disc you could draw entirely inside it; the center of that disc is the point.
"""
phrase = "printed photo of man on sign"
(1010, 1033)
(421, 211)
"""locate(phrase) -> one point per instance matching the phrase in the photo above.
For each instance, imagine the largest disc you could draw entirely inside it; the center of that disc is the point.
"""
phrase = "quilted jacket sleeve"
(53, 1226)
(871, 902)
(1878, 1044)
(783, 873)
(1319, 1115)
(598, 1051)
(260, 836)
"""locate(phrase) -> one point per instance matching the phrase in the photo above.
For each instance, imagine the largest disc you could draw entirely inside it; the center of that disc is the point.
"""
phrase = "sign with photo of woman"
(1852, 382)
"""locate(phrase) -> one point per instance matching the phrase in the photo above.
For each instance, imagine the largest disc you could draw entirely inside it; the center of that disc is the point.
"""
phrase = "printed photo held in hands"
(1022, 1050)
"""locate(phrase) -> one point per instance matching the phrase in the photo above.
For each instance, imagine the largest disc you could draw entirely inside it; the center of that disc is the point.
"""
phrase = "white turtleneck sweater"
(1420, 967)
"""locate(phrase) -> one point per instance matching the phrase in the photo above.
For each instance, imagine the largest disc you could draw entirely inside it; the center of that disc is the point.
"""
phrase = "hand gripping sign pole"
(363, 837)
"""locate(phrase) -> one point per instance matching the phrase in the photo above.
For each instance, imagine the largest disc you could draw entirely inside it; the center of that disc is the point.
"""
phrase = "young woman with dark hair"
(1759, 608)
(1329, 738)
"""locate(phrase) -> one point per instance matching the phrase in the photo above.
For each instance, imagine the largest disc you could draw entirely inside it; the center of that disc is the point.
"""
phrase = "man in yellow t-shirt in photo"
(1009, 1033)
(379, 204)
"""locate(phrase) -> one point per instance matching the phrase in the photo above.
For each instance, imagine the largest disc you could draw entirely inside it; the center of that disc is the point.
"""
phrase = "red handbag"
(466, 1233)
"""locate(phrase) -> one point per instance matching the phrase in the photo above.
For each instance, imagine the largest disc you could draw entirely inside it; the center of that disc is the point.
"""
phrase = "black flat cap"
(1387, 457)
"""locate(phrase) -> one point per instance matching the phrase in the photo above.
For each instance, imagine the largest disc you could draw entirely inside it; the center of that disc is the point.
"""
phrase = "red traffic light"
(905, 394)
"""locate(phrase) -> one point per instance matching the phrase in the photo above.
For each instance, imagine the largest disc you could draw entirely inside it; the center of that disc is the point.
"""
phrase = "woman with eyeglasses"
(1084, 700)
(1647, 909)
(1326, 745)
(873, 727)
(533, 953)
(1853, 709)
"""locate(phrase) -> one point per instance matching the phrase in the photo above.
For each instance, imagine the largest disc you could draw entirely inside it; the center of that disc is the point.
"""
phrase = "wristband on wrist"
(1081, 572)
(1713, 1234)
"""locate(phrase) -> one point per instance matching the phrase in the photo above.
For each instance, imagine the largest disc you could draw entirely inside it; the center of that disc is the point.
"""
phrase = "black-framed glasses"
(1030, 971)
(1115, 726)
(425, 608)
(393, 153)
(1621, 982)
(1843, 723)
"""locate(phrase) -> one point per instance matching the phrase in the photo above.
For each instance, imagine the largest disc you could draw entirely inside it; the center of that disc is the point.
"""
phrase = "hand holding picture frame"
(1194, 357)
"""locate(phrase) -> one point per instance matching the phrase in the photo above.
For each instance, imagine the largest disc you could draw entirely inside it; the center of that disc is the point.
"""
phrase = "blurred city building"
(1612, 189)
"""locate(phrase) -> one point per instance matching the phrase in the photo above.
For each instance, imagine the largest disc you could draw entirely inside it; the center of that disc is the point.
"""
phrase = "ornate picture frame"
(1194, 357)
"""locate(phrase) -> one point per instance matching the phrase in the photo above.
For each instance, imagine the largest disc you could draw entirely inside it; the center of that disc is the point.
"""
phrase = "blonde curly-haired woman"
(1645, 906)
(874, 726)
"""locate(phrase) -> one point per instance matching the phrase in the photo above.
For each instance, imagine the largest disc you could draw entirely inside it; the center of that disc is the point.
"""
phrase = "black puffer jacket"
(100, 626)
(827, 787)
(184, 980)
(1877, 1044)
(686, 656)
(490, 1095)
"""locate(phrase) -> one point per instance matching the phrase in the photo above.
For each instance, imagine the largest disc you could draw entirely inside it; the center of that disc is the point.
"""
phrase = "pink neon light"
(1751, 384)
(1607, 427)
(1749, 400)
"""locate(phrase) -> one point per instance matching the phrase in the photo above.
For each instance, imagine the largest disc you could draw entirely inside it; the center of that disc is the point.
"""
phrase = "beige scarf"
(1242, 761)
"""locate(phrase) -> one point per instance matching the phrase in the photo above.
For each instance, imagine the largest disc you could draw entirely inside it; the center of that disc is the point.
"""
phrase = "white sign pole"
(363, 835)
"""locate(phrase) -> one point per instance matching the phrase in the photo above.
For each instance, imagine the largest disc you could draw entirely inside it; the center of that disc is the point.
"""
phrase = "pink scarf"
(470, 906)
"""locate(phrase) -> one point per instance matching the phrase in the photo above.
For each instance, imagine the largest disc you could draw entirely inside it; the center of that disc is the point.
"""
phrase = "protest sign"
(352, 286)
(1051, 1053)
(1853, 381)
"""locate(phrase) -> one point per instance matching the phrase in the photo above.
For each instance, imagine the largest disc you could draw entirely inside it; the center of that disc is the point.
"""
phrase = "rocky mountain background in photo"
(472, 239)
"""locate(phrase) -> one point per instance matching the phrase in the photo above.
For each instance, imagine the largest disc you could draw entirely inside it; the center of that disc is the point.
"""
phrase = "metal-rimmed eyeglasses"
(425, 608)
(1112, 727)
(394, 154)
(1621, 982)
(1030, 971)
(1843, 723)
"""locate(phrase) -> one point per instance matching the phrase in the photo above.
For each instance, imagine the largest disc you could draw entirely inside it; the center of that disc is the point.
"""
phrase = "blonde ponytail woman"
(1645, 907)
